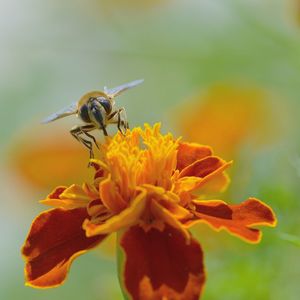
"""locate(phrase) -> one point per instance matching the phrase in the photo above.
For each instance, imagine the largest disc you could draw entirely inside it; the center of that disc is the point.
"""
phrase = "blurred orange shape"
(45, 160)
(225, 117)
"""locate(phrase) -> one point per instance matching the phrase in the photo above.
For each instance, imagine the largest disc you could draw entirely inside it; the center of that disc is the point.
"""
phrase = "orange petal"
(161, 193)
(161, 213)
(75, 192)
(160, 265)
(217, 184)
(188, 153)
(96, 208)
(202, 167)
(205, 170)
(110, 196)
(99, 167)
(90, 190)
(55, 239)
(175, 209)
(147, 291)
(56, 192)
(128, 217)
(237, 219)
(69, 198)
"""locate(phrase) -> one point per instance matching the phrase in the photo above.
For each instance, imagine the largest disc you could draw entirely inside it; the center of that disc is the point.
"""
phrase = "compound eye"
(106, 105)
(84, 113)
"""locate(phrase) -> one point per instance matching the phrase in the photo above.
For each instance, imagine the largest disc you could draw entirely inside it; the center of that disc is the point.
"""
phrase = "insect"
(95, 109)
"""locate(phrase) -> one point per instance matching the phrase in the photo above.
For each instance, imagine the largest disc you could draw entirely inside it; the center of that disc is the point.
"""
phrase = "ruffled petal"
(99, 167)
(90, 190)
(74, 196)
(175, 209)
(237, 219)
(161, 213)
(55, 239)
(56, 192)
(188, 153)
(218, 183)
(202, 167)
(200, 173)
(127, 217)
(160, 193)
(110, 196)
(160, 265)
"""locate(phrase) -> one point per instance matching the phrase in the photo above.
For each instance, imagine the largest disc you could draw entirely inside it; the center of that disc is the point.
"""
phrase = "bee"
(95, 109)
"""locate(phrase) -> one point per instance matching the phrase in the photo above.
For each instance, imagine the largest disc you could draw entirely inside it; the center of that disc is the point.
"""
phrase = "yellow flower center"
(138, 158)
(139, 170)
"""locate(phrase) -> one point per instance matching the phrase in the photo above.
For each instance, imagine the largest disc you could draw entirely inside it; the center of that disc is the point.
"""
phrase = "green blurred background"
(52, 52)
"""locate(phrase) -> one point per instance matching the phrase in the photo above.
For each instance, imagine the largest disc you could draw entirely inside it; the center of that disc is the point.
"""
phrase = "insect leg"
(125, 120)
(76, 131)
(112, 115)
(104, 130)
(119, 117)
(122, 120)
(119, 123)
(92, 137)
(85, 129)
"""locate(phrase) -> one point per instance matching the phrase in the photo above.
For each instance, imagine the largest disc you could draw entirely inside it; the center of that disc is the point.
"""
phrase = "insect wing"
(67, 111)
(122, 88)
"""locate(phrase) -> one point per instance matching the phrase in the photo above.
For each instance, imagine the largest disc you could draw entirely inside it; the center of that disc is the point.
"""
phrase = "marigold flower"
(147, 188)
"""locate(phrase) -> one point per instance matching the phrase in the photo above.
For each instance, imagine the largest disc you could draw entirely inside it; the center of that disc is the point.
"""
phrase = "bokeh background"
(218, 72)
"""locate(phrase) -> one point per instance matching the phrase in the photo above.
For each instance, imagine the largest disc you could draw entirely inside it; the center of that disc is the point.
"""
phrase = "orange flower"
(146, 188)
(226, 116)
(44, 159)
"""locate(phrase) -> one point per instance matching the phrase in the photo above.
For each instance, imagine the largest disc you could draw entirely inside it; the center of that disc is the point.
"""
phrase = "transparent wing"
(67, 111)
(121, 88)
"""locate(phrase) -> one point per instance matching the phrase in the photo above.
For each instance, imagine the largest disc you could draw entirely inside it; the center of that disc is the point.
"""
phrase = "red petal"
(201, 172)
(56, 237)
(99, 172)
(161, 265)
(203, 167)
(56, 192)
(74, 196)
(188, 153)
(237, 219)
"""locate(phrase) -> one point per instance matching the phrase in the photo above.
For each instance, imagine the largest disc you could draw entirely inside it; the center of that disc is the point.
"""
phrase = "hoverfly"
(95, 109)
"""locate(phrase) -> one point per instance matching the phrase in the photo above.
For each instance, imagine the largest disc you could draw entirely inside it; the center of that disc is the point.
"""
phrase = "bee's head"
(106, 104)
(91, 100)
